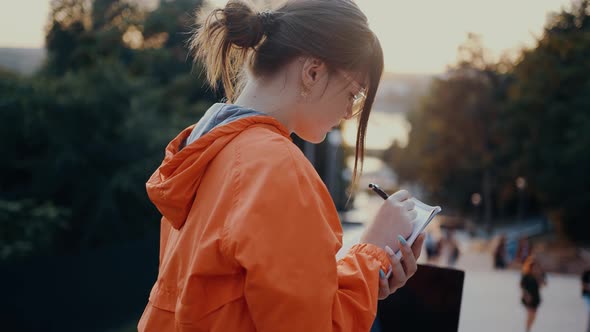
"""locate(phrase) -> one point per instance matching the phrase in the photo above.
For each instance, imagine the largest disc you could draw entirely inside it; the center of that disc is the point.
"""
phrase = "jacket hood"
(173, 186)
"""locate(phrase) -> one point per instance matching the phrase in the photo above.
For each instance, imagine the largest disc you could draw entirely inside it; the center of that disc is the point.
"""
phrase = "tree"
(452, 144)
(82, 32)
(500, 122)
(550, 119)
(81, 136)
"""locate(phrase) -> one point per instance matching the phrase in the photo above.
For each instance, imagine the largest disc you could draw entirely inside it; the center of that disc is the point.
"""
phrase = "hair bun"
(245, 27)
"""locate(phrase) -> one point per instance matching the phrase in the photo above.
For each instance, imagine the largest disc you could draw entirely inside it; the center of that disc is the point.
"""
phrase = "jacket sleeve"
(284, 232)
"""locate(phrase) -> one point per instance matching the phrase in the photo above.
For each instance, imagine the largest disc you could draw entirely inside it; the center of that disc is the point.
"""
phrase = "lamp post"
(475, 201)
(520, 185)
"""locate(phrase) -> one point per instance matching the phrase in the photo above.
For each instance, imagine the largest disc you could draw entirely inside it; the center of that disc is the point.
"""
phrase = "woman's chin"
(314, 138)
(317, 139)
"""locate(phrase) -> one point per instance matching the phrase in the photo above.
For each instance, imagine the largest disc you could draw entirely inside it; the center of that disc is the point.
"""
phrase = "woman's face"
(333, 97)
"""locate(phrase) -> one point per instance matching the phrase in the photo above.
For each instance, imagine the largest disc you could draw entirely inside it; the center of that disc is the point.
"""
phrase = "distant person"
(453, 248)
(586, 294)
(533, 278)
(500, 255)
(433, 247)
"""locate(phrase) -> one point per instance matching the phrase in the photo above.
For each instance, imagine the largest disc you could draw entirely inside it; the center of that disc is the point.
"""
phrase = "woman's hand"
(402, 269)
(394, 218)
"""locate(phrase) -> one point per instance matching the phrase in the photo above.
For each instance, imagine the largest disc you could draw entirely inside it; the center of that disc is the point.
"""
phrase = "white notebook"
(425, 215)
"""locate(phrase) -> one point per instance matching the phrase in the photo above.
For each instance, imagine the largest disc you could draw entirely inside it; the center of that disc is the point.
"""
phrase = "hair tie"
(267, 20)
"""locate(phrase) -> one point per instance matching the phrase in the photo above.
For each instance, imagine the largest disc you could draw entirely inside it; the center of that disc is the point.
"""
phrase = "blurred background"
(484, 109)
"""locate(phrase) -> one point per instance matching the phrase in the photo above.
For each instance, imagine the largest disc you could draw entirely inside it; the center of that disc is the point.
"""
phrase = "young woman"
(533, 278)
(249, 232)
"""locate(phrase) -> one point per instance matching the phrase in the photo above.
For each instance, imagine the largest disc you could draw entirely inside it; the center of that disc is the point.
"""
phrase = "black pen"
(378, 190)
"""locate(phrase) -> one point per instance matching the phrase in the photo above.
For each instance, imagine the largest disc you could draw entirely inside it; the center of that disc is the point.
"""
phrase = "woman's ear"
(312, 71)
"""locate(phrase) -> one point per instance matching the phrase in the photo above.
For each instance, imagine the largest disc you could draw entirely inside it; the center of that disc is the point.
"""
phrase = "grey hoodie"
(219, 114)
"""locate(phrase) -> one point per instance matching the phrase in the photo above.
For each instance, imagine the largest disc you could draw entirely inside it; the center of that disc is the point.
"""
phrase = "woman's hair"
(334, 31)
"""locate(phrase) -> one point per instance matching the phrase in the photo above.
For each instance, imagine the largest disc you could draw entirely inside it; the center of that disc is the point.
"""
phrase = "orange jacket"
(249, 235)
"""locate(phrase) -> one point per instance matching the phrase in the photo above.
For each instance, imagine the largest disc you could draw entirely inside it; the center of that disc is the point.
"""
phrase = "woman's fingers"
(398, 276)
(409, 260)
(402, 270)
(409, 205)
(400, 196)
(383, 286)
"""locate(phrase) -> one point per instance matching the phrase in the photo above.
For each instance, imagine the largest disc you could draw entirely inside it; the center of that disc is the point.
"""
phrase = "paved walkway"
(491, 299)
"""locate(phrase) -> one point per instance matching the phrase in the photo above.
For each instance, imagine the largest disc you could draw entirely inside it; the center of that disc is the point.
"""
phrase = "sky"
(418, 37)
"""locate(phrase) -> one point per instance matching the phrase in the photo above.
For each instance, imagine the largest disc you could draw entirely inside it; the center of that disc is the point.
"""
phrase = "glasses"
(358, 99)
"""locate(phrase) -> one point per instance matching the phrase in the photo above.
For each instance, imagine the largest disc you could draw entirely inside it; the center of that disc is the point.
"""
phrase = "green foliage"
(550, 119)
(453, 136)
(81, 137)
(29, 227)
(486, 124)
